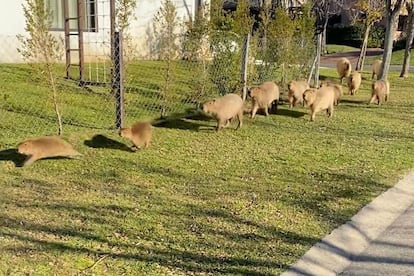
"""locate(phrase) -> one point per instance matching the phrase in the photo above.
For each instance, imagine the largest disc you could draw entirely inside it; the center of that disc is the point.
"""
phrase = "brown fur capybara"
(140, 134)
(354, 82)
(319, 99)
(343, 67)
(296, 89)
(264, 96)
(376, 68)
(337, 88)
(45, 147)
(224, 109)
(380, 91)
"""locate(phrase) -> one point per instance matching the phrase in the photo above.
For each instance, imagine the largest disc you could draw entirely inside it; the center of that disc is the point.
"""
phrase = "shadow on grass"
(185, 121)
(101, 141)
(12, 155)
(359, 102)
(178, 123)
(290, 113)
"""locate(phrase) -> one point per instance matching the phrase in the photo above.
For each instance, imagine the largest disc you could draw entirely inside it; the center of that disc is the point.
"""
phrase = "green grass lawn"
(333, 48)
(397, 58)
(247, 202)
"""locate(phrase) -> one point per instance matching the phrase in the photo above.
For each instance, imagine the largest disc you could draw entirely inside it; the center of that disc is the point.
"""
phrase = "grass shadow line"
(12, 155)
(290, 113)
(101, 141)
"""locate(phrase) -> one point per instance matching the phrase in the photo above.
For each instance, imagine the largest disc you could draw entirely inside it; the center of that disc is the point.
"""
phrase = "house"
(96, 25)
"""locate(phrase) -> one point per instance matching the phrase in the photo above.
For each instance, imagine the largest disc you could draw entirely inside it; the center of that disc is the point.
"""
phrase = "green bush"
(353, 36)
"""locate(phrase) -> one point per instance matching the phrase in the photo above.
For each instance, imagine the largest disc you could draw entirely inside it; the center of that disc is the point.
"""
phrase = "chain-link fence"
(178, 70)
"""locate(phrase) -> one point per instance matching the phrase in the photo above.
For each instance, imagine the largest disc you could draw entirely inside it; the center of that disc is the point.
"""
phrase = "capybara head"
(209, 106)
(309, 96)
(24, 147)
(254, 91)
(125, 132)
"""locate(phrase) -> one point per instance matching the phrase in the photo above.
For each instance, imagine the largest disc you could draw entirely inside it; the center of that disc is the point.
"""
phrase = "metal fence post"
(118, 78)
(245, 60)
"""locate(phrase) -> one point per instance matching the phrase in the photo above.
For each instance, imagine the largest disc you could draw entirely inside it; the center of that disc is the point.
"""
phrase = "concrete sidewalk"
(379, 239)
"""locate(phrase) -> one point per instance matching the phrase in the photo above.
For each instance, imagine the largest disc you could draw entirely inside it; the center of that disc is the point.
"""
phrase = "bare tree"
(42, 49)
(392, 10)
(409, 42)
(372, 12)
(323, 9)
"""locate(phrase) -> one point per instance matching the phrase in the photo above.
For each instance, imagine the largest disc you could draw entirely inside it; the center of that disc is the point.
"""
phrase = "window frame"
(89, 17)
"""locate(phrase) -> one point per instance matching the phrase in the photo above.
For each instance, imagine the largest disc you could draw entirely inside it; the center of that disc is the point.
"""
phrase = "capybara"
(343, 67)
(140, 134)
(45, 147)
(319, 99)
(380, 91)
(376, 68)
(264, 96)
(354, 82)
(337, 88)
(224, 109)
(296, 89)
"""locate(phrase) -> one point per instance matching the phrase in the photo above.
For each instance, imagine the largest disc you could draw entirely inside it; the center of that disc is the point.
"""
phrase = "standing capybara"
(343, 67)
(376, 68)
(319, 99)
(264, 96)
(380, 91)
(45, 147)
(224, 109)
(140, 134)
(337, 88)
(296, 89)
(354, 82)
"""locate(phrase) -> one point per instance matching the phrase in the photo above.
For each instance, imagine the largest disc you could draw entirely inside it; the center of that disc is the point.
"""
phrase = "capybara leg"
(379, 100)
(240, 118)
(29, 160)
(254, 110)
(313, 114)
(266, 111)
(227, 123)
(292, 102)
(219, 124)
(372, 99)
(330, 111)
(274, 106)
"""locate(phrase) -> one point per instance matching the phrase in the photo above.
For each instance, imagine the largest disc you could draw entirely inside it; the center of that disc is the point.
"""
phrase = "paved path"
(330, 60)
(379, 240)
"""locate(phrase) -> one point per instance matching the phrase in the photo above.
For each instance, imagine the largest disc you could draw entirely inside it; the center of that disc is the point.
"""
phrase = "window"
(56, 8)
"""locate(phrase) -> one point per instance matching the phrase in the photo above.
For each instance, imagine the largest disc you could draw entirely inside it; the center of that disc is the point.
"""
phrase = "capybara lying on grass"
(224, 109)
(354, 82)
(343, 67)
(319, 99)
(45, 147)
(264, 96)
(380, 91)
(376, 68)
(296, 89)
(140, 134)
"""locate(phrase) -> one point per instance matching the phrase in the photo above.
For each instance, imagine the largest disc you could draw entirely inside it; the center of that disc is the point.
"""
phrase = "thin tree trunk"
(386, 57)
(318, 60)
(361, 58)
(323, 41)
(408, 44)
(392, 11)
